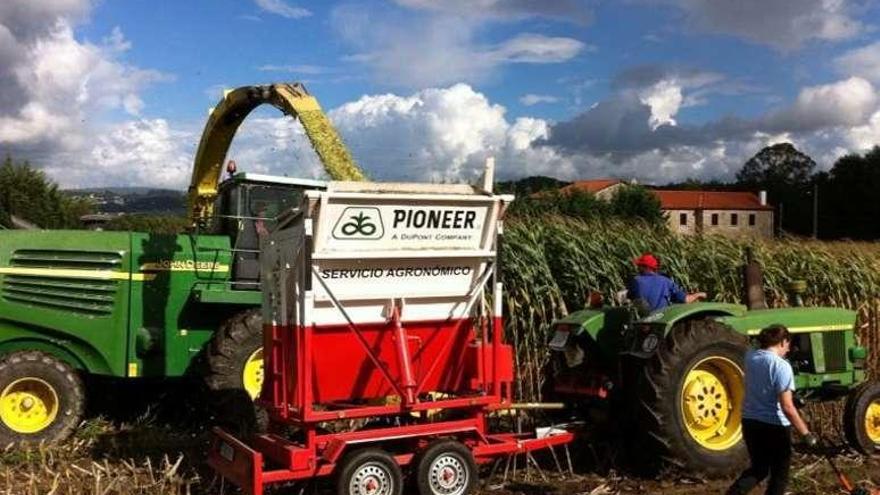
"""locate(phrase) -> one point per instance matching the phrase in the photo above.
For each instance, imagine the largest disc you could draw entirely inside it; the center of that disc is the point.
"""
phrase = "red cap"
(647, 260)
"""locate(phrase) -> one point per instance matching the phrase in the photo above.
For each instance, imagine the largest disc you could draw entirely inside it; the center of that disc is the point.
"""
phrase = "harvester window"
(267, 202)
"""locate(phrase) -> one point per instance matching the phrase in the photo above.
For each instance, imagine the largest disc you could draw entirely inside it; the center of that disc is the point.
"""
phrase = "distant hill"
(134, 200)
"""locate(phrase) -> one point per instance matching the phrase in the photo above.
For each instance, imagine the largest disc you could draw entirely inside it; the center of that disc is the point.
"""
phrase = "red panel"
(342, 371)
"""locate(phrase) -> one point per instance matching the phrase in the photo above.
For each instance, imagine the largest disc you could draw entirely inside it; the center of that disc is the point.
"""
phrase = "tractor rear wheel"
(691, 400)
(235, 368)
(861, 418)
(41, 398)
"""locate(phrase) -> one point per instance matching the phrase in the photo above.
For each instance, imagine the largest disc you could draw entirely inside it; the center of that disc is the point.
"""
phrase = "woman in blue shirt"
(769, 413)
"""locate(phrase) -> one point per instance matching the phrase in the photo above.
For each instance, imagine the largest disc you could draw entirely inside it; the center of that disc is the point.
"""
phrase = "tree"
(780, 164)
(637, 202)
(27, 193)
(578, 204)
(786, 174)
(848, 194)
(529, 185)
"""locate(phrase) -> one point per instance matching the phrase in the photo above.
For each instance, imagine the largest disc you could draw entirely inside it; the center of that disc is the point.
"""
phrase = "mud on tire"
(664, 438)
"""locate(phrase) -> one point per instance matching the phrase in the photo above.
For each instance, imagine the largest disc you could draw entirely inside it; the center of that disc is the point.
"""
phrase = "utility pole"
(779, 222)
(815, 210)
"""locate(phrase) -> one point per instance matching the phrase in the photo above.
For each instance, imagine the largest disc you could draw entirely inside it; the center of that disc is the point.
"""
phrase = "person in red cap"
(658, 291)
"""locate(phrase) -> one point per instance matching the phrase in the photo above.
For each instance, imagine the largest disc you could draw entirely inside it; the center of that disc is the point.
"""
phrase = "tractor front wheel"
(862, 418)
(691, 400)
(41, 398)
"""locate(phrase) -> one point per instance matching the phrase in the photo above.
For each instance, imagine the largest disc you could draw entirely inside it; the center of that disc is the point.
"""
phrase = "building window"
(734, 219)
(682, 218)
(751, 219)
(714, 219)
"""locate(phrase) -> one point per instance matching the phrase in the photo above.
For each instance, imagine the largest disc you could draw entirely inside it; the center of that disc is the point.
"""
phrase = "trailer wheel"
(446, 467)
(234, 373)
(861, 418)
(369, 472)
(691, 400)
(41, 398)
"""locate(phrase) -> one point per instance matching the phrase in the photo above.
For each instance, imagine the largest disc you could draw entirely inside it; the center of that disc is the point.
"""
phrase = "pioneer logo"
(359, 223)
(434, 219)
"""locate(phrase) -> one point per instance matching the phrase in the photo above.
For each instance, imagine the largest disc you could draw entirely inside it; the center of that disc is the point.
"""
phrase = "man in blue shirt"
(768, 414)
(658, 291)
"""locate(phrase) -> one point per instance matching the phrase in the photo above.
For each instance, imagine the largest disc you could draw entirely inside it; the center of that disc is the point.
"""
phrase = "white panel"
(361, 279)
(379, 225)
(375, 312)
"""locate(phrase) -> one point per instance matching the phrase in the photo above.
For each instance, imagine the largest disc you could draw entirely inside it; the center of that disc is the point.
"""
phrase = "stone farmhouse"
(732, 213)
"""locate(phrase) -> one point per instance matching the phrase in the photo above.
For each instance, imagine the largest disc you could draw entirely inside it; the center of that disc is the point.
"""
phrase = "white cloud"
(140, 152)
(664, 98)
(844, 103)
(418, 51)
(864, 137)
(294, 69)
(534, 49)
(784, 24)
(58, 93)
(864, 62)
(533, 99)
(280, 7)
(570, 10)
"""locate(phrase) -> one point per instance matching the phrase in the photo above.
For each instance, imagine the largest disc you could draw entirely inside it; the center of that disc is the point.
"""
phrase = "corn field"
(552, 263)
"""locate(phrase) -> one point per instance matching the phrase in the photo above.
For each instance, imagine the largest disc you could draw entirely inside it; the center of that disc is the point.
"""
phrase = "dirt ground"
(133, 446)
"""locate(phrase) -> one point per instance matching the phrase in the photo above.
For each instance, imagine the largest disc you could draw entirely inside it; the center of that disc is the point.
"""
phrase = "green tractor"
(136, 305)
(674, 377)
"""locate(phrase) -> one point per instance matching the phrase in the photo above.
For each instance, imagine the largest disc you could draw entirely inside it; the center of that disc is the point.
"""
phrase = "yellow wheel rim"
(711, 400)
(252, 376)
(28, 405)
(872, 421)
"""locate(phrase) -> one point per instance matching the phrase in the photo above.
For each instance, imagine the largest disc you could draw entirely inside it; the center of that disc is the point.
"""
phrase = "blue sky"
(114, 92)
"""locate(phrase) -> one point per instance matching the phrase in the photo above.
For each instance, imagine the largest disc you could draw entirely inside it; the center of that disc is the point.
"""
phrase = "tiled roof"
(591, 186)
(709, 200)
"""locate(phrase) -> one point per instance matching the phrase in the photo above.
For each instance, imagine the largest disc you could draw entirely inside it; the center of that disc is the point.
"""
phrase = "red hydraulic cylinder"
(409, 383)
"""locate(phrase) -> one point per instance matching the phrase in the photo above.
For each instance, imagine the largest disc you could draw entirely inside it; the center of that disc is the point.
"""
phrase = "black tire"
(446, 455)
(855, 420)
(38, 374)
(368, 466)
(237, 339)
(664, 439)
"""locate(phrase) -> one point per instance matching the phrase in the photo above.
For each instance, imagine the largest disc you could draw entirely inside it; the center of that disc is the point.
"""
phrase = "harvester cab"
(678, 373)
(246, 210)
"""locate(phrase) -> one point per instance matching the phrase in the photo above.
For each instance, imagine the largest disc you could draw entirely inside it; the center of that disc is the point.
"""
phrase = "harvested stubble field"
(151, 438)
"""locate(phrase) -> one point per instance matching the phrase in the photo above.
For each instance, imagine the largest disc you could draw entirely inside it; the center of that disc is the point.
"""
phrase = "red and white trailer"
(384, 343)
